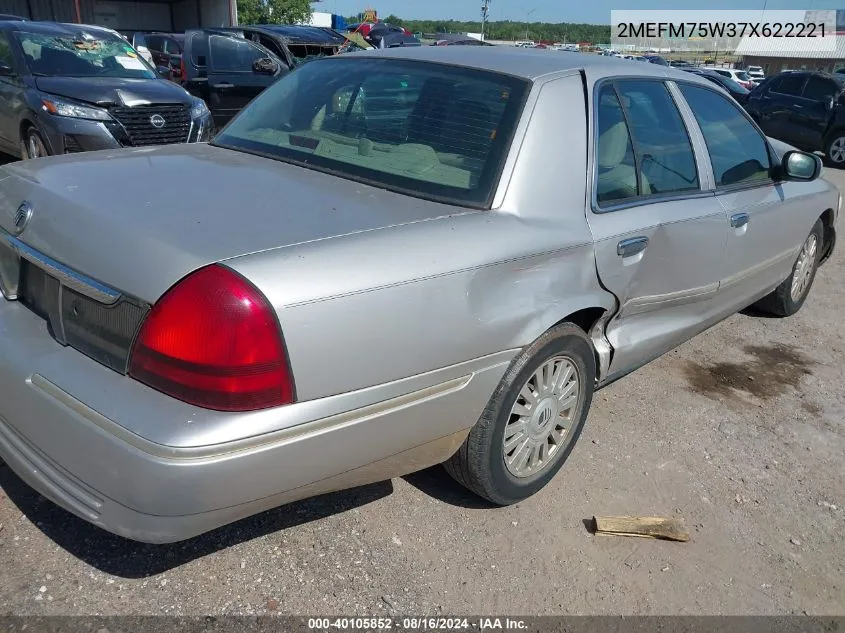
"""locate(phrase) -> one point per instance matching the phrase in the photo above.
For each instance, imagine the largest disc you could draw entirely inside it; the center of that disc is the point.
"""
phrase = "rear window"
(430, 130)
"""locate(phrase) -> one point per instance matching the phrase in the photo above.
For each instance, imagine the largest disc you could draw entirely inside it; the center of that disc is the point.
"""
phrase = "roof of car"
(302, 34)
(525, 62)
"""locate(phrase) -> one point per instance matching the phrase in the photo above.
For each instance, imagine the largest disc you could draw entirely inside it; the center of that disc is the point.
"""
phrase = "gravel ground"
(741, 432)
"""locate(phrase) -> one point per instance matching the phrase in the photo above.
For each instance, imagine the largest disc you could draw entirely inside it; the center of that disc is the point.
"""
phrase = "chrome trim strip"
(260, 442)
(68, 277)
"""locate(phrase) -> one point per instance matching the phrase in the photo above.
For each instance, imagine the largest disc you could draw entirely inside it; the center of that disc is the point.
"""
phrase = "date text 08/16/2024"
(416, 624)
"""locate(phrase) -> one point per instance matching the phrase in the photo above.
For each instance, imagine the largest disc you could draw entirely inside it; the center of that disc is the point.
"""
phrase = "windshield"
(430, 130)
(742, 75)
(82, 55)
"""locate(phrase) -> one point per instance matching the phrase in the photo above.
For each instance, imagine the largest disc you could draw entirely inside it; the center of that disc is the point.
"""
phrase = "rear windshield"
(82, 55)
(425, 129)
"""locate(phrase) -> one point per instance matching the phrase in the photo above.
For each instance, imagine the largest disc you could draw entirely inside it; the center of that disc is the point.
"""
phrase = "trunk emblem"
(157, 120)
(22, 217)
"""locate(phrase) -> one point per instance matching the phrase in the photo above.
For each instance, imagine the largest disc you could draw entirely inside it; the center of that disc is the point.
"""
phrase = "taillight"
(213, 341)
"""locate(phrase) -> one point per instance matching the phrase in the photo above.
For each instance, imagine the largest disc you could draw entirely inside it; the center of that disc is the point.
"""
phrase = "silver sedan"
(388, 260)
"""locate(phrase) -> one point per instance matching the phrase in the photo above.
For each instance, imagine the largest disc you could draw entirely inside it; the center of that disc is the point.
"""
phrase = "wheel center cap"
(544, 416)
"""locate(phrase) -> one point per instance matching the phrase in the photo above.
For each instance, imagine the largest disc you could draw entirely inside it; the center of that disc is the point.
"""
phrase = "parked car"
(739, 76)
(736, 91)
(655, 59)
(755, 72)
(296, 44)
(805, 109)
(227, 71)
(398, 260)
(68, 88)
(166, 50)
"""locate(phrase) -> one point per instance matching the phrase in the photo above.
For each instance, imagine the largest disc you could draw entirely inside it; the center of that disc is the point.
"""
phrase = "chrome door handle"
(738, 220)
(223, 86)
(632, 246)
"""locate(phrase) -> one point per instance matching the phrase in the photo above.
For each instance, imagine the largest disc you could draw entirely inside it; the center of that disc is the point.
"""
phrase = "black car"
(227, 71)
(228, 67)
(655, 59)
(737, 92)
(70, 88)
(804, 109)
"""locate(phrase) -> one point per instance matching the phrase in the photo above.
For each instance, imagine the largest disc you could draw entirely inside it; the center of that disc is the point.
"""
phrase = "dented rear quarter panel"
(368, 308)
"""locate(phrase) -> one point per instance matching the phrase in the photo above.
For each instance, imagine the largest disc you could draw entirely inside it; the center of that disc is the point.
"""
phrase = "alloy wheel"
(541, 418)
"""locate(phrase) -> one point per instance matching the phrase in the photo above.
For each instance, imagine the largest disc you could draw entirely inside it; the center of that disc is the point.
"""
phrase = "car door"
(659, 239)
(232, 81)
(777, 105)
(820, 97)
(765, 223)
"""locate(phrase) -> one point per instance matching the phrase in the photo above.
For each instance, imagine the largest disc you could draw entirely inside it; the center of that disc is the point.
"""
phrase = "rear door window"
(6, 57)
(430, 130)
(819, 89)
(790, 85)
(738, 152)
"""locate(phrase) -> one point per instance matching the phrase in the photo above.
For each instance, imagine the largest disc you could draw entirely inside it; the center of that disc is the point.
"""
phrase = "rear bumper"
(118, 480)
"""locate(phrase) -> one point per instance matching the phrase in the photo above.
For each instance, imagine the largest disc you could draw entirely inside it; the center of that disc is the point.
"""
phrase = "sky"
(592, 12)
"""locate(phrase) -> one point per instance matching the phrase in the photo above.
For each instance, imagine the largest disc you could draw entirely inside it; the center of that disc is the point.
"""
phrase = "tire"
(480, 464)
(834, 149)
(33, 145)
(782, 302)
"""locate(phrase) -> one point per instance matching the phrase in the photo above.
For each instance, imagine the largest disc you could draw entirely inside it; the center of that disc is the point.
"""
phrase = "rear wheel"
(32, 144)
(788, 298)
(533, 420)
(834, 149)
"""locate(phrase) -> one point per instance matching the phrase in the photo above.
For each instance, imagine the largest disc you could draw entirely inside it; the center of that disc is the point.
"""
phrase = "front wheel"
(32, 145)
(533, 420)
(788, 298)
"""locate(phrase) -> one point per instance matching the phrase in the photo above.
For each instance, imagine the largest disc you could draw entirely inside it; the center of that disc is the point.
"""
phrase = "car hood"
(140, 219)
(114, 91)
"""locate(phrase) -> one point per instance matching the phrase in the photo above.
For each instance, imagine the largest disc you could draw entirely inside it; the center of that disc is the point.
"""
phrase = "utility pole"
(485, 9)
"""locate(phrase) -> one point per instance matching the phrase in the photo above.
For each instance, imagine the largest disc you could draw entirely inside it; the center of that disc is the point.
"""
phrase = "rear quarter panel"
(378, 306)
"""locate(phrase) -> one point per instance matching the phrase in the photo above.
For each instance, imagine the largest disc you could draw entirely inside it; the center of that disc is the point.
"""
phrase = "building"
(130, 15)
(775, 55)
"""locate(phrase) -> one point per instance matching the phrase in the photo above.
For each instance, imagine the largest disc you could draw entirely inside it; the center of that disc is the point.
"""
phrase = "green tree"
(273, 11)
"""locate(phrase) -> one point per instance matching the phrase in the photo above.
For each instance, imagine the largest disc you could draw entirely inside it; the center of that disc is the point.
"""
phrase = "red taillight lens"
(213, 340)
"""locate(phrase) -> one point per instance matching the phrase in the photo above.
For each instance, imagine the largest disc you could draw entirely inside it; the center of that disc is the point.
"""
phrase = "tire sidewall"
(30, 132)
(580, 353)
(794, 305)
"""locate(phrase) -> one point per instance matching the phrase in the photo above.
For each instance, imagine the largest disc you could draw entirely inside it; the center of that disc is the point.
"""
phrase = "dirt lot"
(741, 432)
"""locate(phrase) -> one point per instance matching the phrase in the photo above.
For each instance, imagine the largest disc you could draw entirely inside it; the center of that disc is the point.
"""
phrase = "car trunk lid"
(140, 220)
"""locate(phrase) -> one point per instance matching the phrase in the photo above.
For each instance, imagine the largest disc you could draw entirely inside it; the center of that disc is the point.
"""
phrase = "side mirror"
(265, 66)
(164, 72)
(6, 70)
(800, 166)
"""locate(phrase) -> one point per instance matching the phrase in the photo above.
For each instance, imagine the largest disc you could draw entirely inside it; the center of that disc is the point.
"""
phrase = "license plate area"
(102, 331)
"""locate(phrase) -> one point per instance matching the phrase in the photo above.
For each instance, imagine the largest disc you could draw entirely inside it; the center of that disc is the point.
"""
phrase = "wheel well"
(585, 319)
(25, 125)
(829, 233)
(829, 137)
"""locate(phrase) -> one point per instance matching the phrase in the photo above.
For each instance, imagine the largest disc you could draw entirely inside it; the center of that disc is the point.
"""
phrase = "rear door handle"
(738, 220)
(632, 246)
(223, 85)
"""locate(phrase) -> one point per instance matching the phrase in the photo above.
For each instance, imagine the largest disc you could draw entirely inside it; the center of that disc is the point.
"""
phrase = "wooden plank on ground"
(649, 527)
